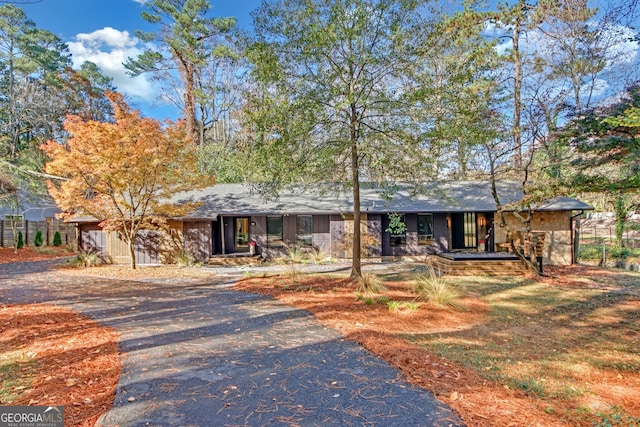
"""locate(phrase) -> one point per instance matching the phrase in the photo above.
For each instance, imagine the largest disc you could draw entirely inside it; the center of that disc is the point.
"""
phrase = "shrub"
(20, 243)
(38, 240)
(57, 239)
(185, 259)
(435, 289)
(88, 258)
(370, 284)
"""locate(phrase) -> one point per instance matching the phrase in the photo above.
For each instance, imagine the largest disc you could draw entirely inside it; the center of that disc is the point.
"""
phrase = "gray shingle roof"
(460, 196)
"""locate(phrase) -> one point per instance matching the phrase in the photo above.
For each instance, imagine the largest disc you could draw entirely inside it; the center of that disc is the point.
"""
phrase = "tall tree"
(27, 55)
(123, 173)
(336, 99)
(186, 41)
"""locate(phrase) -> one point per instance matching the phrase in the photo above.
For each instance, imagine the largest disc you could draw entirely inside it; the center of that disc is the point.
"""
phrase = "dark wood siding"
(197, 239)
(374, 229)
(322, 233)
(440, 233)
(289, 229)
(259, 233)
(229, 238)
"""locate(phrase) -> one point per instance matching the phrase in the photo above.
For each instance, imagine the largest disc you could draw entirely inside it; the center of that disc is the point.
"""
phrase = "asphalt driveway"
(205, 355)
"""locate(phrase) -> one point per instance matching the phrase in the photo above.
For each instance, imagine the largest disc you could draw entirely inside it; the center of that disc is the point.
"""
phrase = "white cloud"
(108, 48)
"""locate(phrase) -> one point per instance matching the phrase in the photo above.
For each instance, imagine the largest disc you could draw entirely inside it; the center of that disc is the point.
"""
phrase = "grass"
(551, 342)
(370, 284)
(16, 370)
(436, 289)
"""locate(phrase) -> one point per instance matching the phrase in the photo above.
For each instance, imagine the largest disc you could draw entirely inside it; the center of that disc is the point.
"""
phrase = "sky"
(103, 32)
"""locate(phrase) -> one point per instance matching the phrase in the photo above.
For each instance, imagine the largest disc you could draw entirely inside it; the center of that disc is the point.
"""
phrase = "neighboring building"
(32, 214)
(443, 217)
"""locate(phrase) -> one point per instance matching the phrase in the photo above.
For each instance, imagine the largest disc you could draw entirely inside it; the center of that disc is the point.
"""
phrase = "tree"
(605, 148)
(335, 95)
(186, 41)
(27, 54)
(123, 173)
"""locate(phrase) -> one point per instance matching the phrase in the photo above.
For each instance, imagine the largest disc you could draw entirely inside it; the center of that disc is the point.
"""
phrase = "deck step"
(478, 267)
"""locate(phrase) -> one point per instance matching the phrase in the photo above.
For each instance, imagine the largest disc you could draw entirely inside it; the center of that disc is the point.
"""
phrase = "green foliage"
(397, 306)
(327, 105)
(57, 239)
(607, 152)
(38, 239)
(396, 223)
(20, 242)
(621, 211)
(186, 259)
(88, 258)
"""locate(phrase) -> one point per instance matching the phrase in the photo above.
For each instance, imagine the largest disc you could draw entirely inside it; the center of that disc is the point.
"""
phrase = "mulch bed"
(31, 253)
(76, 360)
(478, 401)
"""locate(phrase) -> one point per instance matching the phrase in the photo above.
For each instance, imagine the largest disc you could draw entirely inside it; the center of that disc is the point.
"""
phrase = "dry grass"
(558, 351)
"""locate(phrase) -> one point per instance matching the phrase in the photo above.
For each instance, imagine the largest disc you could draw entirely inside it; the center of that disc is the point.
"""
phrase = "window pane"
(399, 239)
(425, 228)
(274, 231)
(304, 230)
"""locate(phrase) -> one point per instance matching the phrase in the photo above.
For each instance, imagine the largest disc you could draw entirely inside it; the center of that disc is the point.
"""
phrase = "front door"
(242, 234)
(464, 231)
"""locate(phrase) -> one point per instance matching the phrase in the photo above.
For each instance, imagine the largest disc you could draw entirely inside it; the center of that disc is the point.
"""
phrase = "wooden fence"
(30, 228)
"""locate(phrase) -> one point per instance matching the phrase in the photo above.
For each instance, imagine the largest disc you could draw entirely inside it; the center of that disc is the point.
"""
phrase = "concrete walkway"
(205, 355)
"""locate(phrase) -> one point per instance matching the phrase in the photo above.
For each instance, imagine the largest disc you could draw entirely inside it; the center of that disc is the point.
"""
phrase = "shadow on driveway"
(205, 355)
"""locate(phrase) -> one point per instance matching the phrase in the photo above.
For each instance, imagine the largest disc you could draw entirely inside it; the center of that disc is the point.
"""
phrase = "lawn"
(560, 350)
(517, 351)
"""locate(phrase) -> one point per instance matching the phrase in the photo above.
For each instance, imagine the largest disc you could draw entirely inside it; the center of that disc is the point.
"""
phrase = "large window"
(398, 236)
(425, 229)
(304, 231)
(274, 231)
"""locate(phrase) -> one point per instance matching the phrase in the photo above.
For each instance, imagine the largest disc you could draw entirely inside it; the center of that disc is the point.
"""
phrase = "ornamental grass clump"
(435, 289)
(370, 284)
(88, 258)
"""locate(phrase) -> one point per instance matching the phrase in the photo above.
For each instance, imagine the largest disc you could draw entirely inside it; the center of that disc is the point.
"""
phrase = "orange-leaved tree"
(124, 173)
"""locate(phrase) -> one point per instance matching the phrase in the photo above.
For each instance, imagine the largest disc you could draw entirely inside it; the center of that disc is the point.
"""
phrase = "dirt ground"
(479, 402)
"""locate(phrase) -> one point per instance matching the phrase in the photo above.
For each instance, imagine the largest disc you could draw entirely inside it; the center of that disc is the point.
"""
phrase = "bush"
(57, 239)
(88, 258)
(435, 289)
(38, 240)
(186, 259)
(20, 243)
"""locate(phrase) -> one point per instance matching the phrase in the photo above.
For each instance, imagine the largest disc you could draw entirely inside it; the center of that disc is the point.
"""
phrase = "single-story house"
(443, 217)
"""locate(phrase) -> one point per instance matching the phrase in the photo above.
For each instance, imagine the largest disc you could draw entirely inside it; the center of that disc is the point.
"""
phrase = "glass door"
(242, 234)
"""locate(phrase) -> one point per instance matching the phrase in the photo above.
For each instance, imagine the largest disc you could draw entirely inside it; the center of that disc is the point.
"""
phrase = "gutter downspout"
(574, 244)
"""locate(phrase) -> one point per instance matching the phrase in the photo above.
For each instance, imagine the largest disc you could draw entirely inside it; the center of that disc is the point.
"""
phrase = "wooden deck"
(478, 264)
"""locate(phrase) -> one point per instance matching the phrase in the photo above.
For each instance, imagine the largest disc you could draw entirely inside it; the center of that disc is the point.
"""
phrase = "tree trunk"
(186, 68)
(517, 89)
(356, 267)
(132, 252)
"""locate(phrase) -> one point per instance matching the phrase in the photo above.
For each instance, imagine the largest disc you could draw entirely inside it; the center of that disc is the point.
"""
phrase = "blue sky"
(103, 32)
